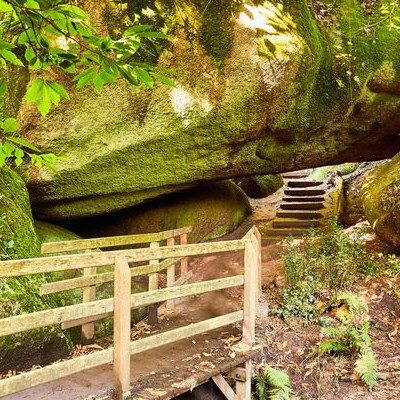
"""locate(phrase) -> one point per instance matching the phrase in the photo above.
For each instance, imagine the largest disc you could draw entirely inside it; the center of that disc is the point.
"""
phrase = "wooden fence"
(123, 302)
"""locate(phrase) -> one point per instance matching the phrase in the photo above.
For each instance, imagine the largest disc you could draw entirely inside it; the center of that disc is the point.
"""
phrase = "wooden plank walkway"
(177, 368)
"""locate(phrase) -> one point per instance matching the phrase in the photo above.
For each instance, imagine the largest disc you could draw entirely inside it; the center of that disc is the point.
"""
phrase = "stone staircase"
(303, 206)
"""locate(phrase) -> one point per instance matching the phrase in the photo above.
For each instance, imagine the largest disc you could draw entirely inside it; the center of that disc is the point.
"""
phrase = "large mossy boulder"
(212, 210)
(259, 186)
(18, 239)
(381, 199)
(351, 205)
(261, 89)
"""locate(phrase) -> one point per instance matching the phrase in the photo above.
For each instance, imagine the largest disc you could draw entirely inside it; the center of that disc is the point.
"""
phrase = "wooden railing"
(123, 301)
(91, 277)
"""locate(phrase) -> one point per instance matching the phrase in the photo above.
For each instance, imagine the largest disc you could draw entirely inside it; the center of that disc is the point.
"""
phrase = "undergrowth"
(319, 275)
(272, 384)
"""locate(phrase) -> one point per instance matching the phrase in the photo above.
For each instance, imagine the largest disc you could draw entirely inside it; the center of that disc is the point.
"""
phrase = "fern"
(275, 385)
(261, 385)
(331, 346)
(366, 367)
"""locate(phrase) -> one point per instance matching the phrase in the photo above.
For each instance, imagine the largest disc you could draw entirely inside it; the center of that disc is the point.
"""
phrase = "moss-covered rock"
(262, 88)
(258, 186)
(212, 210)
(381, 200)
(351, 205)
(19, 295)
(18, 238)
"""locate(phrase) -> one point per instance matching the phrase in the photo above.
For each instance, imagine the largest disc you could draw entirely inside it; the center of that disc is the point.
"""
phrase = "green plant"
(37, 35)
(272, 384)
(326, 255)
(351, 335)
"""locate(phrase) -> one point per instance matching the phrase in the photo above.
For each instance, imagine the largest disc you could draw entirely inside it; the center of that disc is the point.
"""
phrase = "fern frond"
(331, 346)
(261, 385)
(366, 367)
(275, 378)
(279, 394)
(278, 383)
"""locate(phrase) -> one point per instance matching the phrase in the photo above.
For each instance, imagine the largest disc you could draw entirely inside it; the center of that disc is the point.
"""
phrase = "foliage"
(272, 384)
(327, 256)
(350, 335)
(41, 34)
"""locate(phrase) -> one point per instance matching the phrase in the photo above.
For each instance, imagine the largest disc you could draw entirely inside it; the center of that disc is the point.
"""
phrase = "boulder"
(18, 238)
(381, 200)
(19, 295)
(261, 89)
(351, 205)
(212, 210)
(258, 186)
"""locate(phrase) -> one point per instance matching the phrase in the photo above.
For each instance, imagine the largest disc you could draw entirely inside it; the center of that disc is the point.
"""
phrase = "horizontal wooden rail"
(111, 241)
(77, 261)
(69, 367)
(83, 281)
(80, 321)
(24, 322)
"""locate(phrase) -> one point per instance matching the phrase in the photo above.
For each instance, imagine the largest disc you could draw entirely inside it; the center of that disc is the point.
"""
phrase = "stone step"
(304, 192)
(295, 175)
(298, 214)
(292, 223)
(303, 184)
(283, 233)
(297, 199)
(302, 206)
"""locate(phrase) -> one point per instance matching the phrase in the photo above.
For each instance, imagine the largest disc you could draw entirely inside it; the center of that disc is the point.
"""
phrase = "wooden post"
(170, 274)
(250, 290)
(183, 239)
(153, 285)
(122, 327)
(243, 388)
(89, 294)
(259, 250)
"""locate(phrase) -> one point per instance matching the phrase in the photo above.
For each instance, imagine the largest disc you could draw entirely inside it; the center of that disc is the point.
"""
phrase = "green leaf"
(29, 54)
(164, 79)
(10, 125)
(137, 28)
(98, 82)
(32, 4)
(4, 7)
(11, 57)
(34, 90)
(59, 89)
(8, 149)
(153, 35)
(85, 77)
(144, 77)
(19, 153)
(23, 143)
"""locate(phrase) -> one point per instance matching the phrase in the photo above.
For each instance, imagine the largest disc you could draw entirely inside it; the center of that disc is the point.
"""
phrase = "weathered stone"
(259, 186)
(381, 199)
(351, 205)
(261, 89)
(212, 210)
(18, 238)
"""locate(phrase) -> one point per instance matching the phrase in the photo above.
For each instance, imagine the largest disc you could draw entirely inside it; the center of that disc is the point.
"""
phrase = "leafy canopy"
(43, 34)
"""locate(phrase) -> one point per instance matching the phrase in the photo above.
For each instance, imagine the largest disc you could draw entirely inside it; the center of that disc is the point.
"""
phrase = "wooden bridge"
(115, 372)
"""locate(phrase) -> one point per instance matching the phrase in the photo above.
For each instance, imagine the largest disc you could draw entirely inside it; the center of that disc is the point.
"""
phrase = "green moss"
(17, 234)
(212, 209)
(381, 201)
